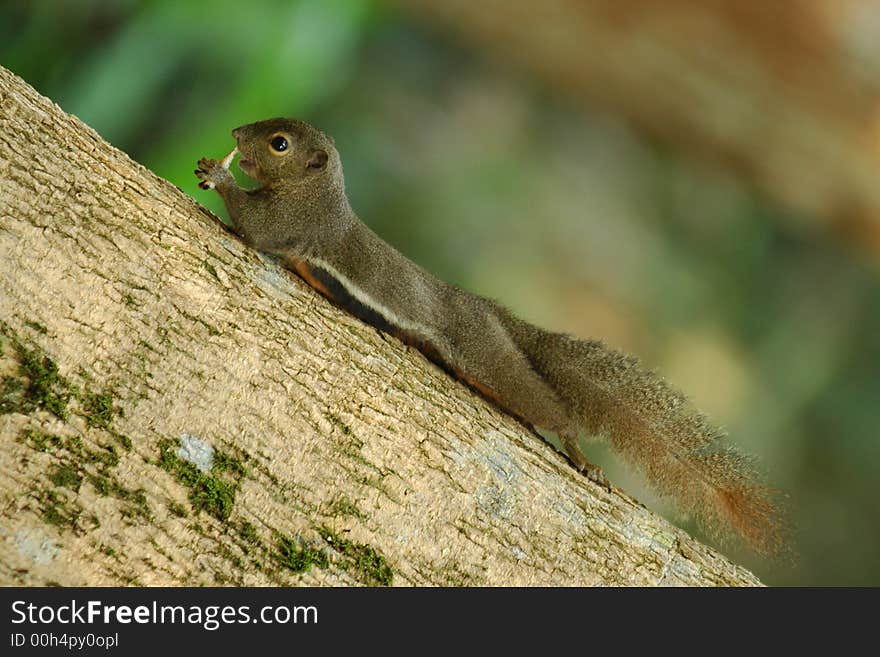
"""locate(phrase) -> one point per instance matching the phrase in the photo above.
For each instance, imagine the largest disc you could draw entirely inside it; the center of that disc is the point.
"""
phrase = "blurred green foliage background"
(490, 181)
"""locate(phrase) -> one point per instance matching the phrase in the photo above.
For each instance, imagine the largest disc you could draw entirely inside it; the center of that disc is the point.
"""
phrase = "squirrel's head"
(286, 151)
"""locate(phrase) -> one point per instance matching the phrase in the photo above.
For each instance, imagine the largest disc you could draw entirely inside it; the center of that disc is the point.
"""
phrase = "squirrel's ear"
(317, 160)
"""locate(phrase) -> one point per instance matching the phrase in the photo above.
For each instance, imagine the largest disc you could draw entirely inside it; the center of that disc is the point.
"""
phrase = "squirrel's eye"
(279, 143)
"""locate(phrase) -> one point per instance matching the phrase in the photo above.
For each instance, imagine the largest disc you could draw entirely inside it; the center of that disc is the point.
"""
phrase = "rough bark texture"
(785, 94)
(340, 456)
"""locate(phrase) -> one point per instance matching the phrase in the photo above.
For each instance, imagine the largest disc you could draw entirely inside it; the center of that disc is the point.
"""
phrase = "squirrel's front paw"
(210, 172)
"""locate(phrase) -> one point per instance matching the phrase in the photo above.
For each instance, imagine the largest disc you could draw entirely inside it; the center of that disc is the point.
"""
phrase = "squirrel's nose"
(236, 131)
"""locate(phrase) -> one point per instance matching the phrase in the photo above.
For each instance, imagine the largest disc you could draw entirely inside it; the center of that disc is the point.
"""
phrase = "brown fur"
(553, 381)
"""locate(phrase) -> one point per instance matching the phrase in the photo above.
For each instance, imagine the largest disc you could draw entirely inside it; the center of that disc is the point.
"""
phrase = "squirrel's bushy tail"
(654, 426)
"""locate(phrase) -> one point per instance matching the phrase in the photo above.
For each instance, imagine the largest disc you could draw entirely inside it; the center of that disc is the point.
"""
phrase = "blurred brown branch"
(784, 94)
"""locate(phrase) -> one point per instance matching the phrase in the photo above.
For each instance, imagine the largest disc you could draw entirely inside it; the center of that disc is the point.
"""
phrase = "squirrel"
(300, 213)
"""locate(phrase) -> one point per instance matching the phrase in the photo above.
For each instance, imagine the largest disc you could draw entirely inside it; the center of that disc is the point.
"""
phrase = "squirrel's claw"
(580, 463)
(595, 474)
(207, 172)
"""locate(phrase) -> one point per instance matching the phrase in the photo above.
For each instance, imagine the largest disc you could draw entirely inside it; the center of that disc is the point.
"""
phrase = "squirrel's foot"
(587, 468)
(594, 473)
(211, 172)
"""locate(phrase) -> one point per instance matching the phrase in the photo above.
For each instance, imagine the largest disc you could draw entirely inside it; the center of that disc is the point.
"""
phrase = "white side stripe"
(372, 304)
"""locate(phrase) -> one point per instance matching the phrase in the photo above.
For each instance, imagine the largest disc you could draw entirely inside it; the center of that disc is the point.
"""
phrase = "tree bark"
(782, 94)
(329, 453)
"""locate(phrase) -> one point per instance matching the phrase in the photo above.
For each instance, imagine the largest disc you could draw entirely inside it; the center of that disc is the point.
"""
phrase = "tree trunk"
(784, 94)
(177, 409)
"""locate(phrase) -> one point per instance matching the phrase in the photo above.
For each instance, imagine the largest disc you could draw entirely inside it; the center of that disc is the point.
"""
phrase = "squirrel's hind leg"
(580, 462)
